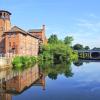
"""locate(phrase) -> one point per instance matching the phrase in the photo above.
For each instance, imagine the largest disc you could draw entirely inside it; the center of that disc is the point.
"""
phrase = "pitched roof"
(17, 29)
(33, 35)
(35, 30)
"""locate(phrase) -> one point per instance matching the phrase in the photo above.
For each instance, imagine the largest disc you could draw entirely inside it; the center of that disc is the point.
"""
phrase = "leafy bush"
(23, 61)
(17, 62)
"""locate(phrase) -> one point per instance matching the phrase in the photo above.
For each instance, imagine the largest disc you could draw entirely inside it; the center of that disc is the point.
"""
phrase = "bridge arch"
(95, 54)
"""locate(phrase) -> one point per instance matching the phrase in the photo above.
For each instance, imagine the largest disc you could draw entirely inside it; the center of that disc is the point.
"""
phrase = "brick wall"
(21, 44)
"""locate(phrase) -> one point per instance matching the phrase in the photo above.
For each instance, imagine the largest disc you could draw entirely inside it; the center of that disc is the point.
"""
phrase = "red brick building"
(18, 41)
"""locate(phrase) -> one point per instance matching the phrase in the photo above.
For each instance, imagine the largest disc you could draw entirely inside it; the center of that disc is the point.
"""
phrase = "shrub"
(23, 61)
(17, 62)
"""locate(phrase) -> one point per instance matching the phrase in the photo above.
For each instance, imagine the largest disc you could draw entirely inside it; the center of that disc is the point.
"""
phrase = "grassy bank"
(23, 61)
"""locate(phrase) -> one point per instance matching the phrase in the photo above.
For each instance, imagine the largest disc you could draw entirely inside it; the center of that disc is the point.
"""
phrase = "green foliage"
(53, 70)
(68, 40)
(23, 61)
(33, 60)
(53, 39)
(87, 48)
(78, 47)
(17, 62)
(58, 50)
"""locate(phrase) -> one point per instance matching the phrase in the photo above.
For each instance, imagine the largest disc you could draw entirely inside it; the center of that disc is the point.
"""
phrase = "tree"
(57, 50)
(78, 47)
(53, 39)
(95, 48)
(68, 40)
(87, 48)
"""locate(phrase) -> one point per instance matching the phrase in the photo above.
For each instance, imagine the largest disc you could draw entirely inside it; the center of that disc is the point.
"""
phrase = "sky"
(77, 18)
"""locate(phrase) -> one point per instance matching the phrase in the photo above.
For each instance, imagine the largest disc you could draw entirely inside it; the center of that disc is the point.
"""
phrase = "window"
(0, 15)
(4, 14)
(10, 44)
(9, 35)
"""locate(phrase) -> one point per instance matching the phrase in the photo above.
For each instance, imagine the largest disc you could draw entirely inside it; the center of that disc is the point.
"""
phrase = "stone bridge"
(89, 54)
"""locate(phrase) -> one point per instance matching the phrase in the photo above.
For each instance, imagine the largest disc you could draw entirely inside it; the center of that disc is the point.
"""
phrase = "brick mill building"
(16, 41)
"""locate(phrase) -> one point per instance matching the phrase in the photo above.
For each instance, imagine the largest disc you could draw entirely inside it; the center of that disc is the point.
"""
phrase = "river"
(72, 81)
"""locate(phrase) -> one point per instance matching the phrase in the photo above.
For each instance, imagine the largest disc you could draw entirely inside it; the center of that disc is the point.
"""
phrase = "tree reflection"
(53, 70)
(52, 75)
(68, 73)
(78, 63)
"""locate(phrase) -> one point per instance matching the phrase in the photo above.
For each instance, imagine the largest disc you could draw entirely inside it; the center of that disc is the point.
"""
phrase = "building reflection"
(12, 83)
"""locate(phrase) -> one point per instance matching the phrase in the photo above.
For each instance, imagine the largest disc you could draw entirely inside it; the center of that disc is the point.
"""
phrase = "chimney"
(43, 27)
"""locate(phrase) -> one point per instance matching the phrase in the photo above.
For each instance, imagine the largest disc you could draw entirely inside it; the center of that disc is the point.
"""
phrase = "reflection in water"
(80, 62)
(16, 82)
(63, 82)
(53, 70)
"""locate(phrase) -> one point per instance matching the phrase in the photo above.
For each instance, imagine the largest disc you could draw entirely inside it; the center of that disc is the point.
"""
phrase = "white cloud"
(87, 31)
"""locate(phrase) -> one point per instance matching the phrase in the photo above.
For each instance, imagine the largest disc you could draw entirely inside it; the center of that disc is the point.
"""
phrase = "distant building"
(17, 41)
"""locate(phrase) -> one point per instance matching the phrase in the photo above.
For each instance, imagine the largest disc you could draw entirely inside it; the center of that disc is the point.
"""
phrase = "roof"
(35, 30)
(33, 35)
(17, 29)
(5, 11)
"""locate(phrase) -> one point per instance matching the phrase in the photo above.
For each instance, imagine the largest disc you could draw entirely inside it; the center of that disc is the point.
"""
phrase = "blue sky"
(77, 18)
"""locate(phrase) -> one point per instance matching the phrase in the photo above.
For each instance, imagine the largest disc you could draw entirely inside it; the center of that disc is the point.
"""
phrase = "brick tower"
(5, 25)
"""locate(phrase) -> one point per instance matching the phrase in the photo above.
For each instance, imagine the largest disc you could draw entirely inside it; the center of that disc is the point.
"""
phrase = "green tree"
(53, 39)
(57, 50)
(68, 40)
(78, 47)
(87, 48)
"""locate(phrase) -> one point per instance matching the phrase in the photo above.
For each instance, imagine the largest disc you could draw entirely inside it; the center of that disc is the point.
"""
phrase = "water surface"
(78, 81)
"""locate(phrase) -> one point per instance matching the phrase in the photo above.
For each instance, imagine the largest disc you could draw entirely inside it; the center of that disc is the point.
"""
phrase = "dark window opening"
(4, 14)
(0, 15)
